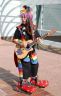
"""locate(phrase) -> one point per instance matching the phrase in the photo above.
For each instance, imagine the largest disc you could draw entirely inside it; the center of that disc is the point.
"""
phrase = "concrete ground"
(49, 69)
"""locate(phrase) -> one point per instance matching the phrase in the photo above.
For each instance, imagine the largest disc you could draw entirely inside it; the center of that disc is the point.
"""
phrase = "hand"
(29, 41)
(39, 40)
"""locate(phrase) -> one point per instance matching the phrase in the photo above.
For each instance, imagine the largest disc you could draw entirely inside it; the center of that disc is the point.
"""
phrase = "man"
(28, 65)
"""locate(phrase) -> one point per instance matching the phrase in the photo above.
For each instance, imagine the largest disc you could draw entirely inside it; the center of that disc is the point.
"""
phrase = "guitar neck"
(35, 41)
(45, 35)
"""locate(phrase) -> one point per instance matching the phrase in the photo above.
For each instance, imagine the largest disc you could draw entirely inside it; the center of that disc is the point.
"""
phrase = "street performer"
(25, 57)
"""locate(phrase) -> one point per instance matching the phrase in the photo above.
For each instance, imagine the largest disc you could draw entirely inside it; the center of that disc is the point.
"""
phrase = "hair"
(29, 17)
(28, 13)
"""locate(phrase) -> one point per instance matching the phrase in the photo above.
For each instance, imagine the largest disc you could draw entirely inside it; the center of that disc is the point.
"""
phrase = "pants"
(28, 67)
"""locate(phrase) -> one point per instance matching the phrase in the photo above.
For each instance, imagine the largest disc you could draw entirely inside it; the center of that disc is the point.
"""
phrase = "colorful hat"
(26, 9)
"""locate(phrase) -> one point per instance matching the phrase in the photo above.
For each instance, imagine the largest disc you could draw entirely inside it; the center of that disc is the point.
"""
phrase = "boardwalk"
(49, 68)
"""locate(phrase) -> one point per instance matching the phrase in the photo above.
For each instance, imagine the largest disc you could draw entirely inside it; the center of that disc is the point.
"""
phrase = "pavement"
(49, 69)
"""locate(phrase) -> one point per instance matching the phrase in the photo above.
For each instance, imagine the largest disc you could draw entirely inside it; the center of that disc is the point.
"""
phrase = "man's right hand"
(27, 42)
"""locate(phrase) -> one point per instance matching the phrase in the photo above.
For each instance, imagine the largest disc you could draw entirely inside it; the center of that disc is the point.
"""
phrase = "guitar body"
(22, 53)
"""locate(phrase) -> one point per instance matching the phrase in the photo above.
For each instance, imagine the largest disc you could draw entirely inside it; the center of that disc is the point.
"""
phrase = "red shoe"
(26, 87)
(40, 83)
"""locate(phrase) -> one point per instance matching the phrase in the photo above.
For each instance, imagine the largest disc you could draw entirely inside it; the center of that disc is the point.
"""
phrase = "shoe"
(39, 83)
(26, 87)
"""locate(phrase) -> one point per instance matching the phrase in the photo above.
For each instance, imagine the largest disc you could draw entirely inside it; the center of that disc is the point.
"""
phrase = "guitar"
(22, 52)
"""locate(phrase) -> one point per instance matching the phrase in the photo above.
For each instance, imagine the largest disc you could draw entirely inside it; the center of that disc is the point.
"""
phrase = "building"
(46, 16)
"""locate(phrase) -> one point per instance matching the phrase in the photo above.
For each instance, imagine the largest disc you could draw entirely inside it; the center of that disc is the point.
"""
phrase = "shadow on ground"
(8, 77)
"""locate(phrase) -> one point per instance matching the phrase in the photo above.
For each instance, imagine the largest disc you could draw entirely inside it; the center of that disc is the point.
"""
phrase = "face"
(24, 19)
